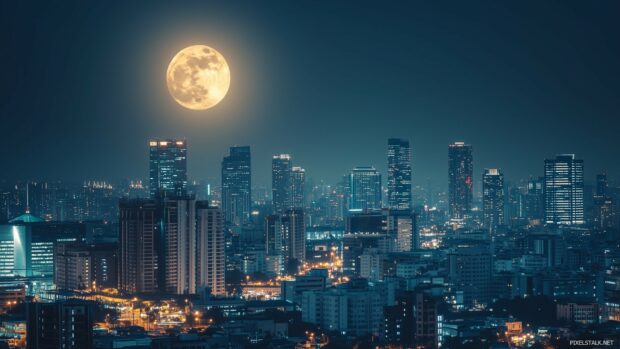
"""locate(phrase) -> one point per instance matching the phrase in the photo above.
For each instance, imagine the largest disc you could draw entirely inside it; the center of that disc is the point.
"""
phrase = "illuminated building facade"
(493, 199)
(281, 168)
(237, 185)
(286, 238)
(27, 246)
(460, 180)
(564, 190)
(72, 267)
(167, 168)
(15, 258)
(210, 244)
(365, 188)
(79, 265)
(174, 246)
(179, 245)
(294, 235)
(139, 240)
(399, 174)
(298, 183)
(402, 229)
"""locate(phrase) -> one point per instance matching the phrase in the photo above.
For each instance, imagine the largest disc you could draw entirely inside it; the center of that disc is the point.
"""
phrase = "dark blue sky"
(83, 87)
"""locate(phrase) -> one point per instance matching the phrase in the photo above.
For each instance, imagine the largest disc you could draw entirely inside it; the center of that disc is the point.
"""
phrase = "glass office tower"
(460, 179)
(564, 190)
(493, 199)
(168, 168)
(237, 185)
(399, 174)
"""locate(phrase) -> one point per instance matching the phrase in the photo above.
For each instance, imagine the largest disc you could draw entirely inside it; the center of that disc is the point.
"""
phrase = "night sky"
(83, 85)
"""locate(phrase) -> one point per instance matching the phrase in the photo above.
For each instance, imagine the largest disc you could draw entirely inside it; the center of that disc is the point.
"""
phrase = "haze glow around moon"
(198, 77)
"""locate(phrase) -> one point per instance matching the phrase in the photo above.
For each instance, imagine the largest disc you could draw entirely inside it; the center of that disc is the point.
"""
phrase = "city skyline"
(440, 181)
(328, 175)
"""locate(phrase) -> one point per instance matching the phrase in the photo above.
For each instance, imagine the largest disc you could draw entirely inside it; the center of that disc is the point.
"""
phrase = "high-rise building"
(281, 168)
(274, 244)
(236, 185)
(493, 199)
(399, 320)
(535, 199)
(168, 168)
(139, 240)
(78, 265)
(365, 188)
(273, 235)
(363, 231)
(470, 271)
(179, 245)
(514, 204)
(63, 324)
(210, 257)
(72, 267)
(564, 190)
(426, 326)
(399, 174)
(294, 236)
(412, 322)
(460, 179)
(171, 245)
(603, 214)
(298, 183)
(286, 238)
(402, 229)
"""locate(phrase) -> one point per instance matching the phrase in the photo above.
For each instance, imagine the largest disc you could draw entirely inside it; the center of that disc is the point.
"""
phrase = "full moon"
(198, 77)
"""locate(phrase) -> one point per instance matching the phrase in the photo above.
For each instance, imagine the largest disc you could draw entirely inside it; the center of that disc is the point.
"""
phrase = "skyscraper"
(294, 234)
(167, 168)
(460, 179)
(298, 183)
(493, 199)
(179, 245)
(171, 245)
(365, 188)
(139, 241)
(281, 168)
(603, 215)
(210, 257)
(399, 174)
(285, 236)
(535, 199)
(237, 185)
(564, 190)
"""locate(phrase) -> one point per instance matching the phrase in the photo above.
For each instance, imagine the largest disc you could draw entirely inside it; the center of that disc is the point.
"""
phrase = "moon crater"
(198, 77)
